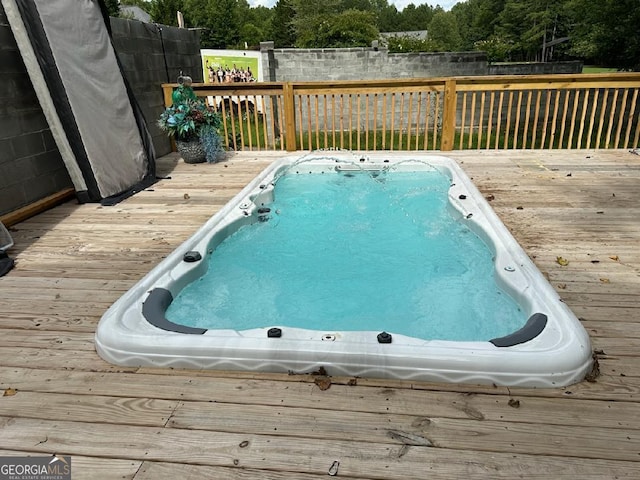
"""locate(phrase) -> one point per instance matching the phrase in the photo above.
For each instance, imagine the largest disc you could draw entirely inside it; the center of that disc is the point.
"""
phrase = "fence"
(496, 112)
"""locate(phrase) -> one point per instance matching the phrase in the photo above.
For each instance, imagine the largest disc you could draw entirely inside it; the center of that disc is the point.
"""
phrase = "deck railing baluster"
(550, 111)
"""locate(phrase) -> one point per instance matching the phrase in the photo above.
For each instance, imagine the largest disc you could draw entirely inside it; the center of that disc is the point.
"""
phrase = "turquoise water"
(354, 252)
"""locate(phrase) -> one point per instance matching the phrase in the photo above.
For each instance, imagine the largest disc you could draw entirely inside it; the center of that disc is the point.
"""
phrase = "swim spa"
(546, 346)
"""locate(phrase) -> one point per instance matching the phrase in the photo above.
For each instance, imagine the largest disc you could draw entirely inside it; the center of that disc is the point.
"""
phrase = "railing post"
(289, 117)
(449, 115)
(167, 91)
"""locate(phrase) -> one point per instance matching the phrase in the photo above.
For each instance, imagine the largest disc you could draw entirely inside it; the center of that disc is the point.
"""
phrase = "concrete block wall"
(150, 55)
(31, 167)
(304, 65)
(369, 64)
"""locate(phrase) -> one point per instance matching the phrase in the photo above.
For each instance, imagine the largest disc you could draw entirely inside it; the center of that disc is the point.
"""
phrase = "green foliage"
(498, 48)
(282, 29)
(603, 32)
(224, 24)
(218, 19)
(212, 143)
(528, 24)
(476, 20)
(255, 25)
(388, 17)
(113, 7)
(416, 18)
(310, 19)
(250, 34)
(515, 30)
(443, 35)
(407, 44)
(351, 28)
(443, 32)
(186, 119)
(607, 32)
(164, 11)
(190, 117)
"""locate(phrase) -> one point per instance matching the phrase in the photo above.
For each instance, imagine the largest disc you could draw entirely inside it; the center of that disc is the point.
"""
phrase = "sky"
(400, 4)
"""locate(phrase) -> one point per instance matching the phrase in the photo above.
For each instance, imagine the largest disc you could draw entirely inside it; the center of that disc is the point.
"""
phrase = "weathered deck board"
(93, 468)
(89, 408)
(398, 458)
(73, 261)
(211, 402)
(446, 467)
(155, 470)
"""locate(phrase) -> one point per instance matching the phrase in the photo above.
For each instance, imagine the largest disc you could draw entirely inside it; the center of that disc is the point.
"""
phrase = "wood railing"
(497, 112)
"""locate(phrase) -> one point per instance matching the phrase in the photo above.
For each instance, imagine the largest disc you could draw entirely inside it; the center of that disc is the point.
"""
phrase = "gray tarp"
(98, 117)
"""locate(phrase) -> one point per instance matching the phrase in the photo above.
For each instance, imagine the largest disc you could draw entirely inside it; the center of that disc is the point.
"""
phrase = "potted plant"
(194, 126)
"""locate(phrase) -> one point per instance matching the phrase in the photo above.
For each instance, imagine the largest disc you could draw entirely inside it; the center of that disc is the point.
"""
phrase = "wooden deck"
(148, 424)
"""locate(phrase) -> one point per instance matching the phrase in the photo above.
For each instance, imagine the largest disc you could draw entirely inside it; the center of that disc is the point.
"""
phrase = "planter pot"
(191, 151)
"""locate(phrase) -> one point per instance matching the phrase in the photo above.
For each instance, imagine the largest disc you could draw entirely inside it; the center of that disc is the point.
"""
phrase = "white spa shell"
(560, 355)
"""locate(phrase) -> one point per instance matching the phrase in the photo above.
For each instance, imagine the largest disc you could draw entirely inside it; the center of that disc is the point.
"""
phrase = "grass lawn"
(594, 69)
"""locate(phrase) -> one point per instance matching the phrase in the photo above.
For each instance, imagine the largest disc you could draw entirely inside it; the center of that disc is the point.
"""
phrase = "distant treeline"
(598, 32)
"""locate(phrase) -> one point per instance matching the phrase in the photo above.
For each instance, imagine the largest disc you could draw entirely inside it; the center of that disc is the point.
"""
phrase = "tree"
(603, 32)
(388, 17)
(362, 5)
(218, 19)
(164, 11)
(407, 44)
(416, 18)
(282, 29)
(477, 20)
(250, 35)
(330, 24)
(606, 32)
(307, 10)
(351, 28)
(310, 18)
(224, 24)
(528, 25)
(254, 24)
(498, 49)
(113, 7)
(443, 32)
